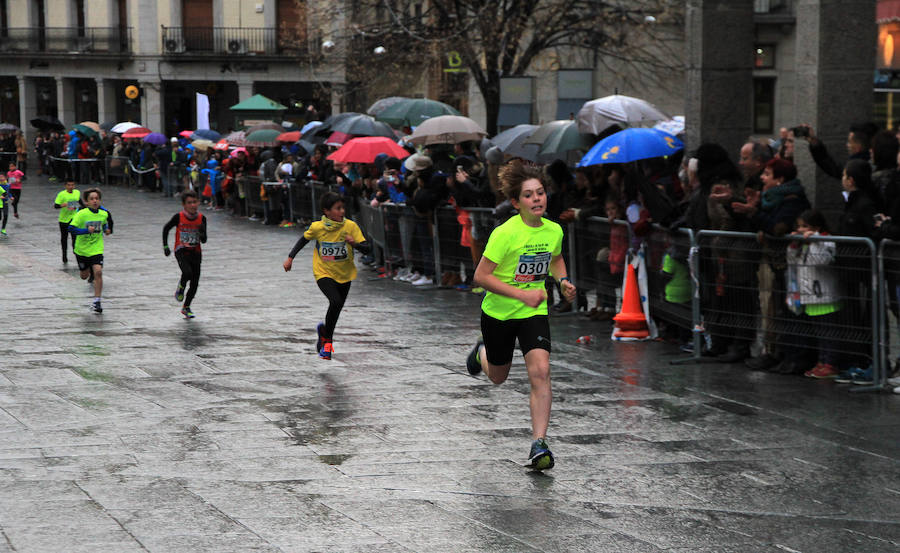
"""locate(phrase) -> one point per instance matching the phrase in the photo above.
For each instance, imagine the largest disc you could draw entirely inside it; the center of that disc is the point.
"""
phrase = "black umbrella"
(48, 123)
(363, 125)
(108, 125)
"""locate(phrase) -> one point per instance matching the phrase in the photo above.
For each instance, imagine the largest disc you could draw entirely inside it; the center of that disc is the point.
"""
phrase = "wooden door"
(197, 21)
(291, 17)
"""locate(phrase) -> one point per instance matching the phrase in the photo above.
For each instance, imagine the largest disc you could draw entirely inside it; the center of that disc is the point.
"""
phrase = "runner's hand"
(167, 251)
(287, 264)
(349, 239)
(568, 290)
(534, 297)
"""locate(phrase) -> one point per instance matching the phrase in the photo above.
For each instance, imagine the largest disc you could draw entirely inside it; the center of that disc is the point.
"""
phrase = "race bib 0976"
(333, 251)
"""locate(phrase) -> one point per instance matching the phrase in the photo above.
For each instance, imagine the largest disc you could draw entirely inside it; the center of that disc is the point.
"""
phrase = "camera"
(801, 131)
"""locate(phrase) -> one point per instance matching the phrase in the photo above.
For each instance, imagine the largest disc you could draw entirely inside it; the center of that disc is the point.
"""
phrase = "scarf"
(773, 197)
(188, 215)
(332, 225)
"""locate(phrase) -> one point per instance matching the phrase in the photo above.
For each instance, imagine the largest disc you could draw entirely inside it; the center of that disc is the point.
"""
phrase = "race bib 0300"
(533, 268)
(333, 251)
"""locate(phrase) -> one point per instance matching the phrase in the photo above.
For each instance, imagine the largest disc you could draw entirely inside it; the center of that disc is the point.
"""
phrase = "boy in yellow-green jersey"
(336, 237)
(68, 202)
(519, 256)
(89, 225)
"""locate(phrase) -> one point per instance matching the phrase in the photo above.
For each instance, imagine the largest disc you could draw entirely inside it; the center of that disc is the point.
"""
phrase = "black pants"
(189, 262)
(4, 213)
(64, 238)
(336, 292)
(16, 193)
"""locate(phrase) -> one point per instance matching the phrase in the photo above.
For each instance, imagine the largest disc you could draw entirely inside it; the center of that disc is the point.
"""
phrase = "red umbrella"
(365, 148)
(221, 145)
(292, 136)
(137, 132)
(338, 138)
(186, 134)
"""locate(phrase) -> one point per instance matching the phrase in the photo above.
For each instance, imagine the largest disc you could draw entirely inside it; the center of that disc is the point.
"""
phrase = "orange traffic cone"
(630, 322)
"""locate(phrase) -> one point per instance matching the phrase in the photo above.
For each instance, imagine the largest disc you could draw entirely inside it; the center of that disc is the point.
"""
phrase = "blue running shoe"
(188, 314)
(540, 457)
(846, 376)
(319, 328)
(179, 292)
(473, 365)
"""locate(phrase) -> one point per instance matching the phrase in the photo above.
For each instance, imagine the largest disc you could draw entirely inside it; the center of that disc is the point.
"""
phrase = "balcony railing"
(80, 40)
(232, 41)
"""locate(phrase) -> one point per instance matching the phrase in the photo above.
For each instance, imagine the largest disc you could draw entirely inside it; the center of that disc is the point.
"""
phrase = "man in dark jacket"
(858, 141)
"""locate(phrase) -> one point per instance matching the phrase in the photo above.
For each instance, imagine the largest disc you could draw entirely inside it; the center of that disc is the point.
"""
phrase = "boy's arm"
(109, 220)
(165, 232)
(73, 229)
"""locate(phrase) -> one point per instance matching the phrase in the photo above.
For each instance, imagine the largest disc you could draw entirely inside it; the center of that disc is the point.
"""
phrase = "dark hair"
(188, 194)
(782, 169)
(815, 219)
(861, 172)
(863, 133)
(761, 152)
(89, 191)
(513, 174)
(884, 150)
(328, 200)
(714, 166)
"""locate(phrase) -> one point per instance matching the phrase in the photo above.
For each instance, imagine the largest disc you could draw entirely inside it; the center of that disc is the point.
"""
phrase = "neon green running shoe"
(540, 457)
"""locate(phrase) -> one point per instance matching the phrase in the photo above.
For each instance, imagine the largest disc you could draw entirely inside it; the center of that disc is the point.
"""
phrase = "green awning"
(258, 102)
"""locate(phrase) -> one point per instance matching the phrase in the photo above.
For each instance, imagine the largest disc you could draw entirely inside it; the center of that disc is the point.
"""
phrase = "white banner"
(202, 111)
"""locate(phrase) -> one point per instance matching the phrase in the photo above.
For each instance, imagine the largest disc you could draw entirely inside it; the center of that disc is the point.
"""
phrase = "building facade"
(73, 59)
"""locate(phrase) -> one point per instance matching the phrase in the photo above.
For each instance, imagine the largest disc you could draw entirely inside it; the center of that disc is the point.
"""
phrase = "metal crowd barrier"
(143, 177)
(79, 170)
(116, 170)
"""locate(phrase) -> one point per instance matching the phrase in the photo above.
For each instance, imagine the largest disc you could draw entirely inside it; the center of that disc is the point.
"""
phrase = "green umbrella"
(413, 111)
(559, 137)
(263, 137)
(84, 129)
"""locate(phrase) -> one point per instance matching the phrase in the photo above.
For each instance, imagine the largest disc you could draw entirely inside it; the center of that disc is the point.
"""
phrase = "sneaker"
(65, 259)
(472, 363)
(540, 457)
(179, 293)
(462, 287)
(16, 215)
(844, 377)
(402, 274)
(96, 307)
(253, 218)
(422, 281)
(326, 350)
(897, 390)
(413, 276)
(822, 371)
(188, 314)
(319, 328)
(864, 377)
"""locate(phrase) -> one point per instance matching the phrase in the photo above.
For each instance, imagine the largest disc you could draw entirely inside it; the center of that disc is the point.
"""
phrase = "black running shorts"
(500, 336)
(85, 263)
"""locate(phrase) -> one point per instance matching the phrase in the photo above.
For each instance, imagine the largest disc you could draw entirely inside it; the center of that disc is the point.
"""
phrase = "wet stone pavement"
(137, 430)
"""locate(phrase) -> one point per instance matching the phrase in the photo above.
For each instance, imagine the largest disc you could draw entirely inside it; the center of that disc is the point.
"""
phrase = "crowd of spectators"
(750, 291)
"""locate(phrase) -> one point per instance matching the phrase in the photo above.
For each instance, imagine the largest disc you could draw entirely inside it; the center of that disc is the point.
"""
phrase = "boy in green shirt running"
(89, 225)
(68, 202)
(519, 256)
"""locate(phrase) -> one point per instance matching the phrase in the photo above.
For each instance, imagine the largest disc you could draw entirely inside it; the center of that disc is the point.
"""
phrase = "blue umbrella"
(207, 134)
(631, 145)
(310, 125)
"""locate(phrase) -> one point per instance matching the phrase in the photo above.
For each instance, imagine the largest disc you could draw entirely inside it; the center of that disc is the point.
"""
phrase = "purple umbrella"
(155, 138)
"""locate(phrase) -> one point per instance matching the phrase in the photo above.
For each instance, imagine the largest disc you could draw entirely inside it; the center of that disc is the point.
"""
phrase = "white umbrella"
(121, 128)
(674, 126)
(597, 115)
(447, 129)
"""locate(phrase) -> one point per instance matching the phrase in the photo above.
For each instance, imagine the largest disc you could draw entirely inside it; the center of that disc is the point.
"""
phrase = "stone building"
(73, 59)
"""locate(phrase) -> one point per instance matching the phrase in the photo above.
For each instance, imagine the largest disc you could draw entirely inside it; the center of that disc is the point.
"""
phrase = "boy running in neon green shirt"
(519, 256)
(89, 225)
(68, 202)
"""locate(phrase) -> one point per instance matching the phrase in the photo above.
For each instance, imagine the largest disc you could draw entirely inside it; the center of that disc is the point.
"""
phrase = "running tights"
(337, 294)
(189, 262)
(4, 214)
(16, 194)
(64, 239)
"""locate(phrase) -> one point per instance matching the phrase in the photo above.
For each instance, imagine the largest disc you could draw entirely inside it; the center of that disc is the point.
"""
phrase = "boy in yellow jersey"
(68, 202)
(89, 225)
(519, 256)
(333, 264)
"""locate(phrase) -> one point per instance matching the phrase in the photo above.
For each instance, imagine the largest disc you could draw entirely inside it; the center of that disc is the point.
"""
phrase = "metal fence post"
(573, 255)
(877, 318)
(312, 195)
(436, 240)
